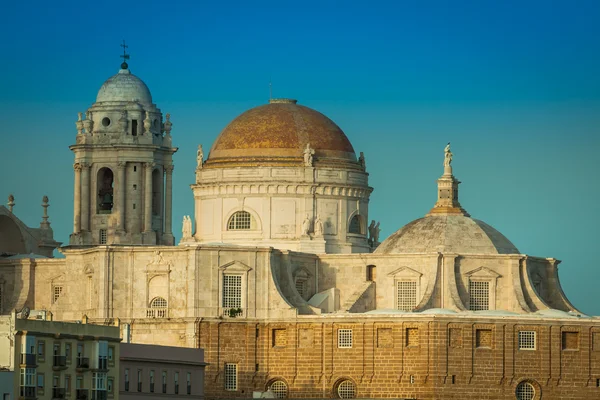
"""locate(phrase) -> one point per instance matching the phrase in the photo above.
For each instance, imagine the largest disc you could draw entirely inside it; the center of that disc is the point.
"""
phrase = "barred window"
(479, 295)
(346, 390)
(56, 292)
(406, 295)
(527, 340)
(240, 221)
(279, 389)
(345, 339)
(102, 236)
(355, 225)
(230, 376)
(525, 391)
(232, 291)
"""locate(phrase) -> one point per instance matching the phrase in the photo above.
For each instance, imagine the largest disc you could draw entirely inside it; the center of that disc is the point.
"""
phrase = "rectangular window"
(176, 380)
(527, 340)
(479, 295)
(99, 381)
(232, 291)
(56, 292)
(406, 295)
(230, 377)
(126, 379)
(189, 383)
(68, 384)
(412, 337)
(68, 352)
(570, 340)
(483, 338)
(102, 236)
(151, 381)
(41, 350)
(139, 380)
(79, 382)
(40, 381)
(345, 338)
(110, 382)
(164, 382)
(134, 130)
(102, 352)
(111, 356)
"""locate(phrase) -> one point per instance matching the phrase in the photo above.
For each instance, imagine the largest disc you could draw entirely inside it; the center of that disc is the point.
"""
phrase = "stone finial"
(200, 157)
(88, 124)
(168, 124)
(79, 123)
(147, 124)
(45, 224)
(11, 202)
(362, 161)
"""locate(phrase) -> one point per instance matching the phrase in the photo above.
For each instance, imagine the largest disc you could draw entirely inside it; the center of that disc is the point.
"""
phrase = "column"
(77, 199)
(168, 198)
(85, 196)
(148, 198)
(121, 206)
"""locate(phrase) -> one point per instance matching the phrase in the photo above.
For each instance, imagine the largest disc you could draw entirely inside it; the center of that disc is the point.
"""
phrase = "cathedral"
(279, 275)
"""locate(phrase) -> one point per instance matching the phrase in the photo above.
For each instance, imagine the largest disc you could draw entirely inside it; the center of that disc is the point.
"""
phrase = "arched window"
(346, 390)
(355, 225)
(104, 184)
(525, 391)
(279, 389)
(240, 221)
(158, 308)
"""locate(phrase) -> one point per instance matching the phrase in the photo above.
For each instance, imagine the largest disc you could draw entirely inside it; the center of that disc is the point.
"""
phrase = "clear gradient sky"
(514, 85)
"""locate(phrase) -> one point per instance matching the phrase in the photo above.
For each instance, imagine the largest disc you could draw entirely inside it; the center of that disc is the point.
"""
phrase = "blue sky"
(514, 85)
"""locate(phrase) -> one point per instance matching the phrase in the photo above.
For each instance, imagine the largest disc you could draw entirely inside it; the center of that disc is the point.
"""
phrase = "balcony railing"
(28, 359)
(83, 362)
(58, 393)
(82, 394)
(102, 363)
(99, 395)
(59, 361)
(27, 392)
(156, 312)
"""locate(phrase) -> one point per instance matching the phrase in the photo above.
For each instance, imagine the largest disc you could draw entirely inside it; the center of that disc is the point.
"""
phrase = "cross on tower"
(125, 56)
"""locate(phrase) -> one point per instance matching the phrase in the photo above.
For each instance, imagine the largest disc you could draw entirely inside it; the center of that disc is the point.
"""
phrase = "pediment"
(302, 273)
(235, 266)
(405, 272)
(58, 278)
(483, 272)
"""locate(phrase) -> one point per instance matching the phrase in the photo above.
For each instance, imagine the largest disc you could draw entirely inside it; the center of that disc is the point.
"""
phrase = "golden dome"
(277, 134)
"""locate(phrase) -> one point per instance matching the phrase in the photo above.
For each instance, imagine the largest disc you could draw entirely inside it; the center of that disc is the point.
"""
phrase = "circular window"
(525, 391)
(105, 121)
(346, 390)
(279, 389)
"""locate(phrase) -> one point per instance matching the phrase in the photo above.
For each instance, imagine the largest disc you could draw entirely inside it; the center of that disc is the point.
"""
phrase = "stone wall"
(421, 358)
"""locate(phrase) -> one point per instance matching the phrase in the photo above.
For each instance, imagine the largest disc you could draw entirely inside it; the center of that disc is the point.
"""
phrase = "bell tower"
(123, 167)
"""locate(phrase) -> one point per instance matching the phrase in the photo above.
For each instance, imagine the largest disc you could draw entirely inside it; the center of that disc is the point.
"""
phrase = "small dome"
(278, 132)
(447, 233)
(124, 86)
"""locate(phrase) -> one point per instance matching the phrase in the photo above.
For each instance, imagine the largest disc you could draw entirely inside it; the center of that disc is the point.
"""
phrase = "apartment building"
(58, 360)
